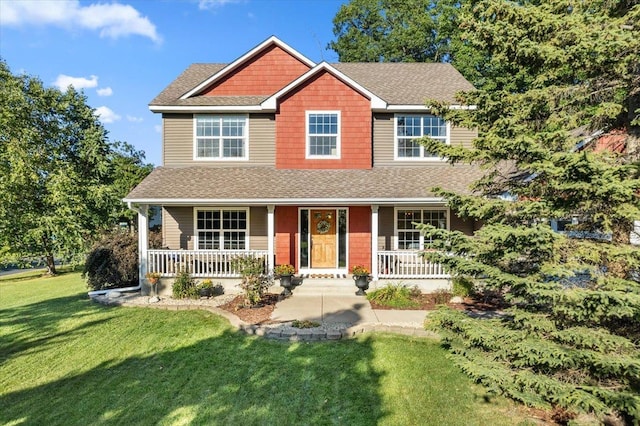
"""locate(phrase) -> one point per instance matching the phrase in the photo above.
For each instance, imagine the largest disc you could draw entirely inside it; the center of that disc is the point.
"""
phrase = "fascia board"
(376, 102)
(235, 64)
(188, 108)
(284, 201)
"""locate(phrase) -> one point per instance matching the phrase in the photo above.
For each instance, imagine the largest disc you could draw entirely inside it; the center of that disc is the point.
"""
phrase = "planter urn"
(286, 283)
(362, 282)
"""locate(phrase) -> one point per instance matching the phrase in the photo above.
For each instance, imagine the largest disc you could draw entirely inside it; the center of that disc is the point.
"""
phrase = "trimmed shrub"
(254, 280)
(184, 287)
(462, 286)
(394, 296)
(112, 262)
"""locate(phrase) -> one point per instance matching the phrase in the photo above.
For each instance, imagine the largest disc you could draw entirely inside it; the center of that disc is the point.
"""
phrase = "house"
(312, 164)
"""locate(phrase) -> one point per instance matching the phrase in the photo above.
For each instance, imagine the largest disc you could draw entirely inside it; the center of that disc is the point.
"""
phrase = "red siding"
(264, 74)
(360, 236)
(324, 92)
(286, 224)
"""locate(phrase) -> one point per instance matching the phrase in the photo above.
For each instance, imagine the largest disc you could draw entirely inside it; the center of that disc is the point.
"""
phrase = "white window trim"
(247, 238)
(307, 137)
(195, 139)
(446, 140)
(309, 270)
(396, 239)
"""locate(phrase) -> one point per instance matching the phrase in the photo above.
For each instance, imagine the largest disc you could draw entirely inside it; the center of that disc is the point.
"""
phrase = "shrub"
(394, 296)
(254, 281)
(112, 262)
(441, 296)
(462, 286)
(184, 287)
(304, 324)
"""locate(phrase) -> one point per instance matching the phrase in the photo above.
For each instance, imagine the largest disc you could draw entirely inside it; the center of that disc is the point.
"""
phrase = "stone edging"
(277, 333)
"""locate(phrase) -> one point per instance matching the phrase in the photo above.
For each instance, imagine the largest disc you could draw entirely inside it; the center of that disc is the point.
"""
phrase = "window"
(220, 137)
(221, 229)
(323, 134)
(408, 237)
(412, 127)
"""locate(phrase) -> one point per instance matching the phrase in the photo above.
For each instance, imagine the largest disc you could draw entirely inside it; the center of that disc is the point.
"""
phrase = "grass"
(66, 360)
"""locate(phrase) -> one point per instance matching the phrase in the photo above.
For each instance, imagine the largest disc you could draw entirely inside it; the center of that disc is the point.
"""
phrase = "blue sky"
(122, 54)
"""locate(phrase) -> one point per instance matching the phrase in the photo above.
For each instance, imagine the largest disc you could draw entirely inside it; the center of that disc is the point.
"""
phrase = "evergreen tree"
(555, 73)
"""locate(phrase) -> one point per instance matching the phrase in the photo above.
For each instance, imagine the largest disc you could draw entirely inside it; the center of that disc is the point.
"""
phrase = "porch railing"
(199, 263)
(408, 264)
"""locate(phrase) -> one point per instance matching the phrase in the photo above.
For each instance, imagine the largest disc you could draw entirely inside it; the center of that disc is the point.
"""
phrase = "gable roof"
(268, 185)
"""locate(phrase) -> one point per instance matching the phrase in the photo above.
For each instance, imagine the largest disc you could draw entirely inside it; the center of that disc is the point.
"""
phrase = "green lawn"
(66, 360)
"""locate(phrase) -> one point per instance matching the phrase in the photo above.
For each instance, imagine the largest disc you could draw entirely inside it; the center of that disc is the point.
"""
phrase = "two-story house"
(312, 164)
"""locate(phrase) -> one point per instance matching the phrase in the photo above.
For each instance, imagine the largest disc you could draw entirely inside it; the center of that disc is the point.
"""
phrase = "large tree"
(57, 171)
(555, 74)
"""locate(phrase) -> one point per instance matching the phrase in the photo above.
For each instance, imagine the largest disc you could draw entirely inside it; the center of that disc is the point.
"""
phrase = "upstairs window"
(323, 134)
(408, 237)
(220, 137)
(414, 126)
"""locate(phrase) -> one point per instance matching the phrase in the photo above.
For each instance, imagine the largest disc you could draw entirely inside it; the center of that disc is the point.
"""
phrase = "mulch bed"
(427, 302)
(260, 314)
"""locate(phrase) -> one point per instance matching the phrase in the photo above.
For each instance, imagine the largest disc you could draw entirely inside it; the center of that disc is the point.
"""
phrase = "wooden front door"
(323, 239)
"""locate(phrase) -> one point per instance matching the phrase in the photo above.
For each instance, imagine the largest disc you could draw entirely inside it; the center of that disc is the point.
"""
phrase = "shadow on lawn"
(37, 325)
(228, 379)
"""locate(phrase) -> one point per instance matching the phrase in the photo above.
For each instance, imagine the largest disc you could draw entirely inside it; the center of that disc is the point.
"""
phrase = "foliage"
(61, 181)
(394, 296)
(304, 324)
(153, 276)
(554, 75)
(254, 280)
(359, 270)
(112, 262)
(209, 288)
(441, 296)
(284, 269)
(462, 286)
(184, 286)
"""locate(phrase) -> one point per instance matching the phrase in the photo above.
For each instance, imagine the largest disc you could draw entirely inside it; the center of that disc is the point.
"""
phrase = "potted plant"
(285, 272)
(205, 288)
(153, 278)
(361, 278)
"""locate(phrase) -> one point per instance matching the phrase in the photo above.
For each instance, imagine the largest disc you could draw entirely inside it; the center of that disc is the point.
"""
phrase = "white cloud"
(133, 119)
(111, 20)
(106, 91)
(64, 81)
(106, 115)
(213, 4)
(158, 128)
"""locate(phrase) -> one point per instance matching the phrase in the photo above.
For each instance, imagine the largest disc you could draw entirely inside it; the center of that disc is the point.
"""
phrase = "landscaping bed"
(259, 314)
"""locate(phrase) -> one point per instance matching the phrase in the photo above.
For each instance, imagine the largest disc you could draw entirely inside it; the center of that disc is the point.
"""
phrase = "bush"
(184, 287)
(395, 296)
(462, 286)
(441, 296)
(254, 281)
(112, 262)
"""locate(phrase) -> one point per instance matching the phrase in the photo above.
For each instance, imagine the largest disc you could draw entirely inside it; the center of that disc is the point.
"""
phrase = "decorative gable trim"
(244, 58)
(271, 103)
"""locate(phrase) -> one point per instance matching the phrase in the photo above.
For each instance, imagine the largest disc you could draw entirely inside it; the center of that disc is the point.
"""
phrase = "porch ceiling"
(267, 185)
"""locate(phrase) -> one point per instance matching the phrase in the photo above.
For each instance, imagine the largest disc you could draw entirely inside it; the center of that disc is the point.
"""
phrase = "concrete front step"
(321, 286)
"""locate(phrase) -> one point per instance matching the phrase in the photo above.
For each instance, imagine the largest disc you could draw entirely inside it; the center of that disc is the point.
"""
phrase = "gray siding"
(258, 228)
(383, 137)
(177, 228)
(178, 142)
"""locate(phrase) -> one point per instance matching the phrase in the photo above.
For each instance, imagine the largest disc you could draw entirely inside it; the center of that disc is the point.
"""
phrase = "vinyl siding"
(177, 228)
(383, 141)
(178, 142)
(258, 228)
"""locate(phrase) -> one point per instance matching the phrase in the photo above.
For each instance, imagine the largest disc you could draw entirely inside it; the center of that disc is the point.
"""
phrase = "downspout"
(123, 289)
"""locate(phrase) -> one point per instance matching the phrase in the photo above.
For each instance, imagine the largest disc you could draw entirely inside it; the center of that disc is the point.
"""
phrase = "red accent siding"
(264, 74)
(286, 224)
(324, 92)
(360, 236)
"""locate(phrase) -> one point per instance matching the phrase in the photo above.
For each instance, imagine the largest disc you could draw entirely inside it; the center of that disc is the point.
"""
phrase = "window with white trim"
(220, 137)
(323, 134)
(222, 229)
(410, 238)
(410, 127)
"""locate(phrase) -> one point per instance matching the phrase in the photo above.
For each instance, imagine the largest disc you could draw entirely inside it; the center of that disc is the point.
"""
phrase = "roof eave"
(285, 201)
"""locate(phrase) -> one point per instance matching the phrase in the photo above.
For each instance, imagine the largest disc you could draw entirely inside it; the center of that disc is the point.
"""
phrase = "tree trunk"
(51, 265)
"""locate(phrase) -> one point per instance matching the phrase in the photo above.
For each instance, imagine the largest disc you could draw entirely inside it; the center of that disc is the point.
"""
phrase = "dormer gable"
(262, 71)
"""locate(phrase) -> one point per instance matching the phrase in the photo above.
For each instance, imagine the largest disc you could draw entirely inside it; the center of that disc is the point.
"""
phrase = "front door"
(323, 239)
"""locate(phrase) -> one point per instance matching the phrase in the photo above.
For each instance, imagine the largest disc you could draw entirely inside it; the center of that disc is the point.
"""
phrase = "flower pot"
(286, 283)
(205, 292)
(362, 282)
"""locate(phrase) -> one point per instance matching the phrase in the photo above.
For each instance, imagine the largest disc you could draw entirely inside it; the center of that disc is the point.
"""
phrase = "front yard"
(66, 360)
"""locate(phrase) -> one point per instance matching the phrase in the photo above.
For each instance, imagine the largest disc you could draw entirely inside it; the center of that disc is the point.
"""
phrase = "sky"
(123, 54)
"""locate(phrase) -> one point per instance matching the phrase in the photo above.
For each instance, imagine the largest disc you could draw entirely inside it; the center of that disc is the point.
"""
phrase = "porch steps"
(324, 286)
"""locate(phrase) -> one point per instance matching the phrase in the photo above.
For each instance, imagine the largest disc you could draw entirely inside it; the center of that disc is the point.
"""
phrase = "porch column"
(143, 241)
(374, 242)
(271, 235)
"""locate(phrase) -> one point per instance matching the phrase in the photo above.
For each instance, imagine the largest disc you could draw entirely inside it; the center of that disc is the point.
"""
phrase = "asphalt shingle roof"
(396, 83)
(268, 183)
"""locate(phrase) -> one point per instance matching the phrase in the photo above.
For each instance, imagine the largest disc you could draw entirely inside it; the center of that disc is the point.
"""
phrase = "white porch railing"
(199, 263)
(408, 264)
